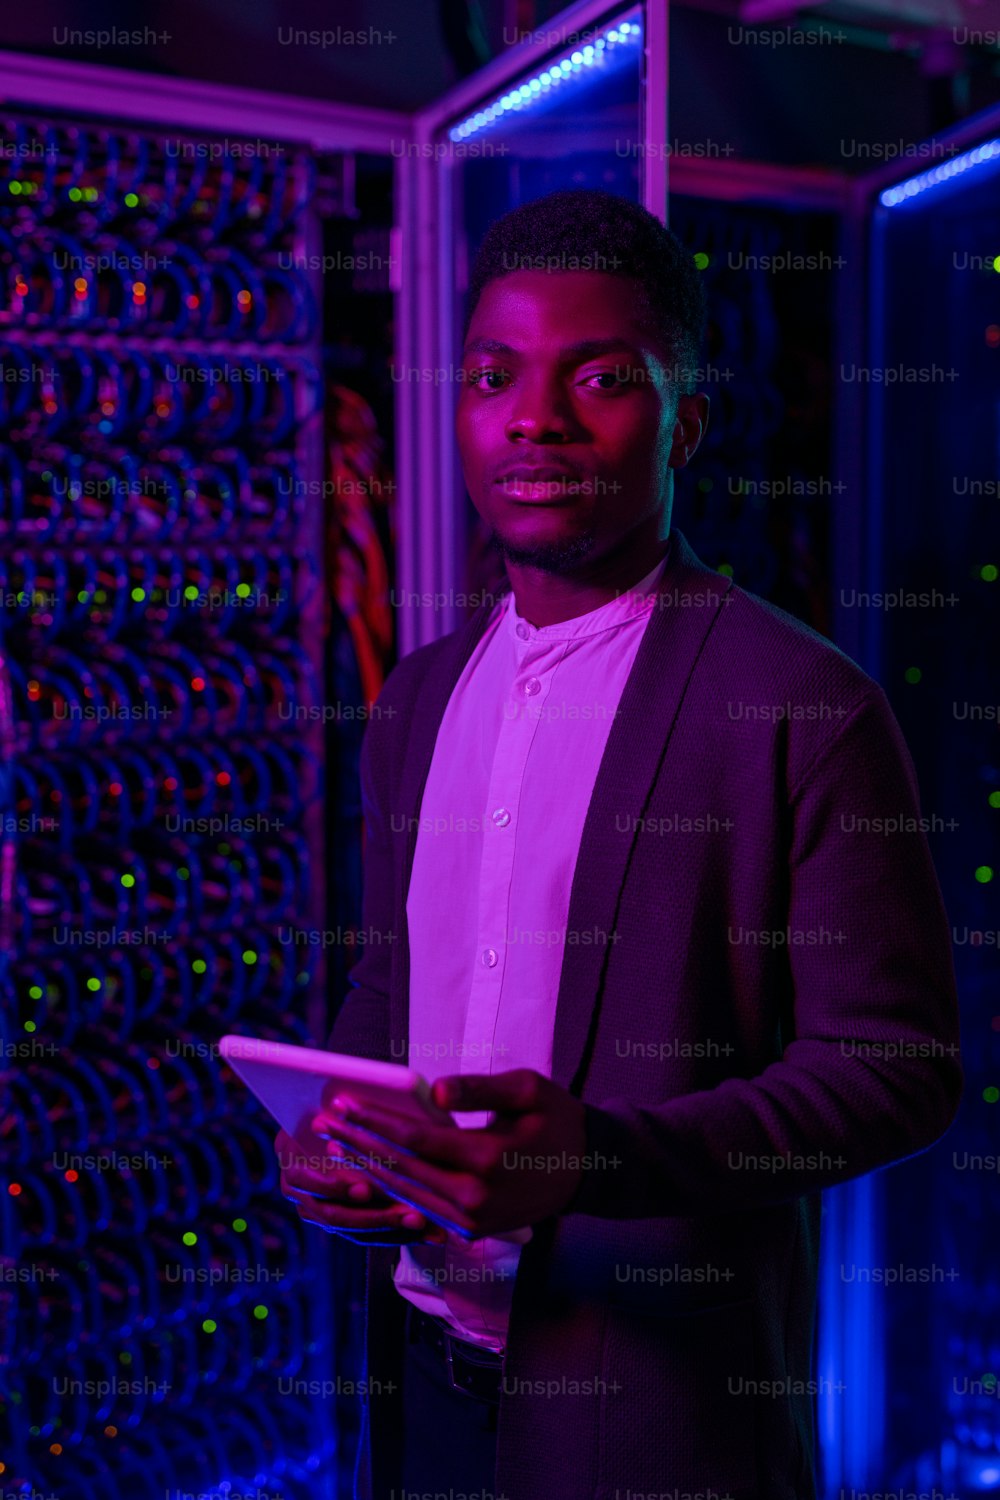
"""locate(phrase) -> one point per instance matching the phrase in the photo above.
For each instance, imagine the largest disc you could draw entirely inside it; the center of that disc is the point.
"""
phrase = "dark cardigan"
(772, 1011)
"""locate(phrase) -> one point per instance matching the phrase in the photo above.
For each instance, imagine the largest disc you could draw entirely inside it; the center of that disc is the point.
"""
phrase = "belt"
(471, 1369)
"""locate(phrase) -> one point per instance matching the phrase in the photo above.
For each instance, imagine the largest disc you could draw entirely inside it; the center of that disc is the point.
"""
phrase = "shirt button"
(532, 686)
(501, 817)
(522, 631)
(490, 957)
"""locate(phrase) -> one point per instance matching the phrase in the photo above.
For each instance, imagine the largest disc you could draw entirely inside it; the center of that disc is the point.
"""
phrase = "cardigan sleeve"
(871, 1072)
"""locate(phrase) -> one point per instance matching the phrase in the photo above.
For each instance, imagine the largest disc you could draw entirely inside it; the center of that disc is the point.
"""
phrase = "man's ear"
(690, 426)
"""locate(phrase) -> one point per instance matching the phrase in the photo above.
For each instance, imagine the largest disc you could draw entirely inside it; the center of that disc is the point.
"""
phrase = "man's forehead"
(568, 307)
(546, 287)
(579, 349)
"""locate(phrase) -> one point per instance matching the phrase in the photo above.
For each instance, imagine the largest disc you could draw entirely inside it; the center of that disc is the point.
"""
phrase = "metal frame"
(852, 1431)
(124, 94)
(149, 102)
(430, 490)
(113, 94)
(860, 538)
(760, 182)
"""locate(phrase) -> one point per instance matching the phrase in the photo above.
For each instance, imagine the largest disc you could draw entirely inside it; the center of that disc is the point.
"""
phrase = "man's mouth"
(540, 486)
(545, 492)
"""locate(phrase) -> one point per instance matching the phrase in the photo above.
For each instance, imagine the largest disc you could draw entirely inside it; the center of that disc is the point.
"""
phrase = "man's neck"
(544, 598)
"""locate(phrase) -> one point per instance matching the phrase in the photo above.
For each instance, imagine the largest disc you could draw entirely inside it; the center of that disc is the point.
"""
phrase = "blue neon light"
(913, 186)
(573, 66)
(851, 1359)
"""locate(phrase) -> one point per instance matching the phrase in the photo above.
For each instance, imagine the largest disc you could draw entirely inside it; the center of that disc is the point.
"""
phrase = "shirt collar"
(638, 600)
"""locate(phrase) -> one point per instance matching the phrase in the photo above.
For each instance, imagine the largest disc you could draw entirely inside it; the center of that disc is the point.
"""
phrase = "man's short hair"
(586, 229)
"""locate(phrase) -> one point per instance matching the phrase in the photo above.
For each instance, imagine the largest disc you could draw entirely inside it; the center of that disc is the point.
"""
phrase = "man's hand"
(520, 1169)
(342, 1201)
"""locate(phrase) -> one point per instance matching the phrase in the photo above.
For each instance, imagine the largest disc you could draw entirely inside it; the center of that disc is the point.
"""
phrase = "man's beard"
(563, 556)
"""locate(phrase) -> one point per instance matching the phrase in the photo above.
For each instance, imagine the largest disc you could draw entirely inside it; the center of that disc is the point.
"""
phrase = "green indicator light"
(30, 1026)
(209, 1325)
(14, 188)
(260, 1311)
(239, 1225)
(249, 956)
(138, 595)
(93, 984)
(726, 569)
(190, 592)
(82, 597)
(994, 799)
(35, 993)
(701, 260)
(46, 475)
(125, 1358)
(183, 873)
(988, 573)
(75, 195)
(199, 966)
(190, 1238)
(128, 881)
(100, 597)
(243, 590)
(131, 200)
(984, 874)
(991, 1095)
(912, 674)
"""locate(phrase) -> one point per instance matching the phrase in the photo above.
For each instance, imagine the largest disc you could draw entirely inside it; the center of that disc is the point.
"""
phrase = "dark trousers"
(449, 1438)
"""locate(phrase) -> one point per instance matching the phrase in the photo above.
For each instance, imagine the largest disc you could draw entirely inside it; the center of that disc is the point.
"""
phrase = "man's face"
(560, 376)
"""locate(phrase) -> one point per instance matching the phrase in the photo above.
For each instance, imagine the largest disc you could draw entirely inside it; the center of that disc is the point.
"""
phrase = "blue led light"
(574, 65)
(924, 181)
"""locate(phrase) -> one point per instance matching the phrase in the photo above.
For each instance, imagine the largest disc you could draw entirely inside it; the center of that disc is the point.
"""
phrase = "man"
(612, 824)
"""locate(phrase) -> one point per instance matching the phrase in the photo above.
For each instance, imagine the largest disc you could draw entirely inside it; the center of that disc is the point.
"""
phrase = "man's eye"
(612, 378)
(495, 379)
(475, 376)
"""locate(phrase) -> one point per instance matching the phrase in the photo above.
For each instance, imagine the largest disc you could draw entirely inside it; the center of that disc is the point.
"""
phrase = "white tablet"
(295, 1083)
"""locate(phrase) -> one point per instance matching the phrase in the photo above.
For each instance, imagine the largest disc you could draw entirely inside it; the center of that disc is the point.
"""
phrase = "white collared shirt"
(501, 818)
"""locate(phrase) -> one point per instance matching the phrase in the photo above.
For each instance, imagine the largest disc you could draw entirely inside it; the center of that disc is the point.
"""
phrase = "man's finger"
(345, 1215)
(326, 1173)
(451, 1195)
(466, 1150)
(518, 1090)
(467, 1160)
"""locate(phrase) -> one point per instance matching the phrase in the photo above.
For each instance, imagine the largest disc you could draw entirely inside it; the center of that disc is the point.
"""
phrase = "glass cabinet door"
(580, 102)
(920, 392)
